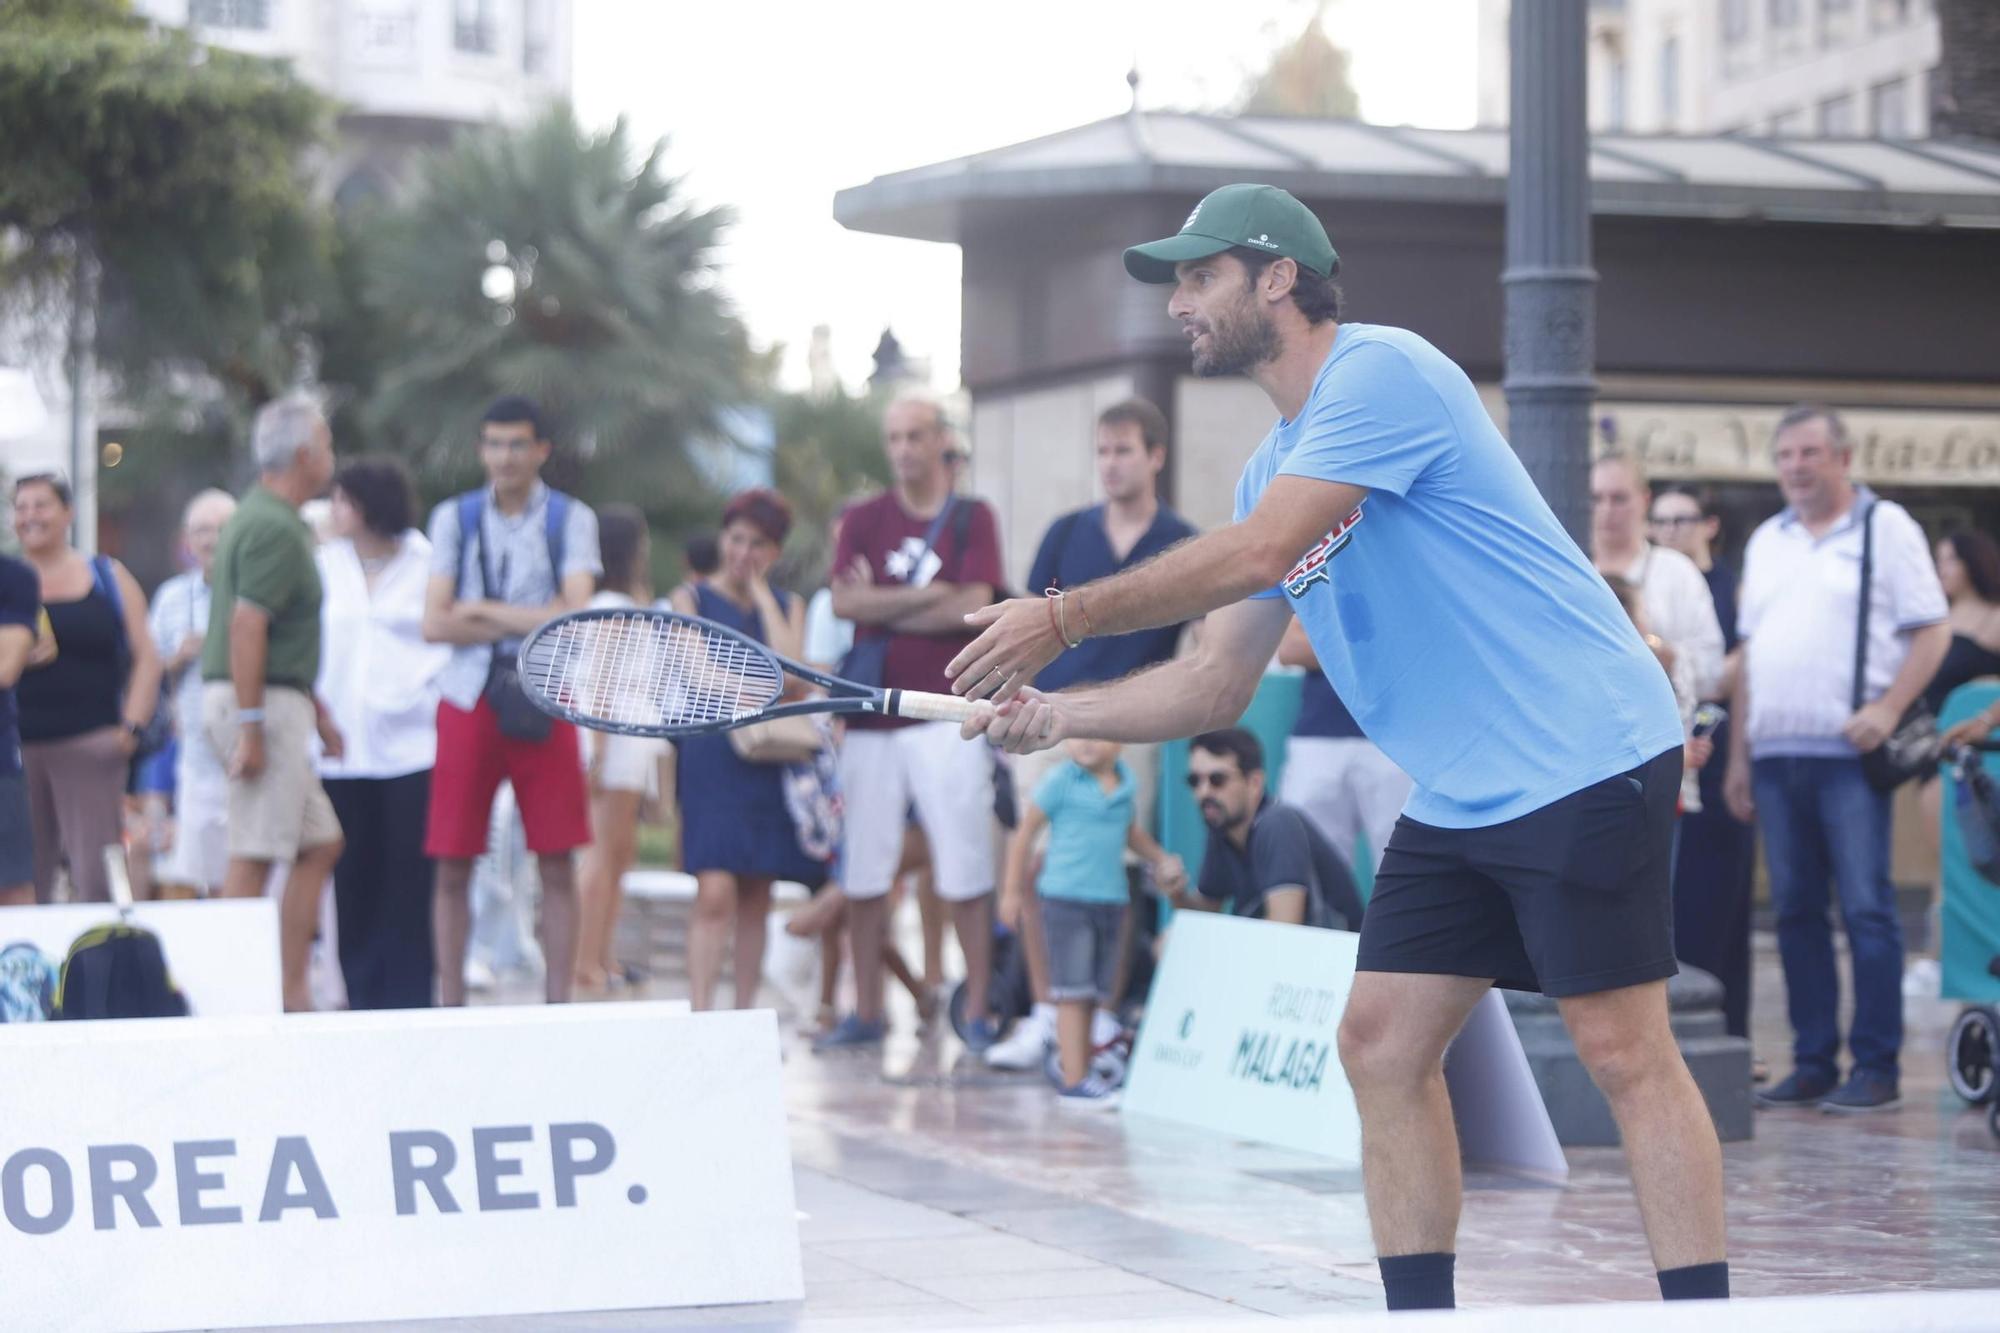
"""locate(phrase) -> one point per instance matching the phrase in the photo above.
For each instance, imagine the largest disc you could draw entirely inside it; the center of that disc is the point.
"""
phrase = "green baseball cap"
(1258, 217)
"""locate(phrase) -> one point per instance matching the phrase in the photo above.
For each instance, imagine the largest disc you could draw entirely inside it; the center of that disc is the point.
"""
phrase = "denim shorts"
(1083, 948)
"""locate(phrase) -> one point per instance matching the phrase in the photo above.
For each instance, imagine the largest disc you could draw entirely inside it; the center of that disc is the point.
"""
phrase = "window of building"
(1886, 15)
(537, 36)
(1788, 124)
(1614, 95)
(1889, 109)
(473, 28)
(1836, 22)
(1786, 22)
(1739, 55)
(1836, 117)
(229, 13)
(1670, 84)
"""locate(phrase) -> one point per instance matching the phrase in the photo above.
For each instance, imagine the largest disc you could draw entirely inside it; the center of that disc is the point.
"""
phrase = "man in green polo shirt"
(258, 662)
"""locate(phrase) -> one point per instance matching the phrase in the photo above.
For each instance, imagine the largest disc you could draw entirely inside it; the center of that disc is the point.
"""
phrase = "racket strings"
(648, 671)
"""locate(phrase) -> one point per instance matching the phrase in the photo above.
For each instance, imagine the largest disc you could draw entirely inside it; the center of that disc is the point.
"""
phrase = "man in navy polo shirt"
(1129, 527)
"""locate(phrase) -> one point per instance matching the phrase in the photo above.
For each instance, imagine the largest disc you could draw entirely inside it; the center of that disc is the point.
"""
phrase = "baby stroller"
(1973, 1050)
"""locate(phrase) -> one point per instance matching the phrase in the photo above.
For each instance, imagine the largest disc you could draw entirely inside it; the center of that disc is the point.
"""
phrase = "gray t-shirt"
(1284, 849)
(516, 553)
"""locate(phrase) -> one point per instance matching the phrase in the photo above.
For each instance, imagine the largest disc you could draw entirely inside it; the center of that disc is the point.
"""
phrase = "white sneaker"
(1104, 1027)
(1024, 1046)
(478, 976)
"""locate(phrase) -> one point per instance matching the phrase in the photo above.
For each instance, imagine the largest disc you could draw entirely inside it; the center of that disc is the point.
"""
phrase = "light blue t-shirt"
(1471, 639)
(1085, 860)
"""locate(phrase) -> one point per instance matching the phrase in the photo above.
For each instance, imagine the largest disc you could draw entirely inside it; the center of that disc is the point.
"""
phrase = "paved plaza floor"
(935, 1194)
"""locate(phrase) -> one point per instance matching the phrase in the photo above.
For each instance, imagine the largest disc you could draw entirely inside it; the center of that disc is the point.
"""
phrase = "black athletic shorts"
(1569, 899)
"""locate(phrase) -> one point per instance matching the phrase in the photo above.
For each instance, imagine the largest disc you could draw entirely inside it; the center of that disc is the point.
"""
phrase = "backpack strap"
(555, 527)
(471, 513)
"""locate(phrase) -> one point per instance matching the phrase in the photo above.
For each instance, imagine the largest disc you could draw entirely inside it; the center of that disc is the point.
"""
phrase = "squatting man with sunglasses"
(1264, 859)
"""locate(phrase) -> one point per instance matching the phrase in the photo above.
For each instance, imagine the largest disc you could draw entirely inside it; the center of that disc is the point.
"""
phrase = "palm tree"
(543, 261)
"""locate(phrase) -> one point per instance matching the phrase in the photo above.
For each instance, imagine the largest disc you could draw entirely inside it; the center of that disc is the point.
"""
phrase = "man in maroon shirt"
(910, 564)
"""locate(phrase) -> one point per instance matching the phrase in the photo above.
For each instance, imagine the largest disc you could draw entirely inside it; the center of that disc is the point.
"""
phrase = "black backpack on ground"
(117, 971)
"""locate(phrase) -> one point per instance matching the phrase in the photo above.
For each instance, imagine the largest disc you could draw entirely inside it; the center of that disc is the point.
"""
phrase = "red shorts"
(473, 757)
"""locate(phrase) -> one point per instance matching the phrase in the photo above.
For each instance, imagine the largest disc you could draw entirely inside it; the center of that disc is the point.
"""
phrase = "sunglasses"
(1213, 781)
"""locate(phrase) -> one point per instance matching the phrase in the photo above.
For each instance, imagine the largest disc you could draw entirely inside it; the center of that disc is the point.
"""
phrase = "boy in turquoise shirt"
(1087, 806)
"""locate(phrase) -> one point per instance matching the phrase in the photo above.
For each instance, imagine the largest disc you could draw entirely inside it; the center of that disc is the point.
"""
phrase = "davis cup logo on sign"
(1312, 569)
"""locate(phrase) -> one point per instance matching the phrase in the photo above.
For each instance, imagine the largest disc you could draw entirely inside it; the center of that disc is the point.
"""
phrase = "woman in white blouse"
(378, 678)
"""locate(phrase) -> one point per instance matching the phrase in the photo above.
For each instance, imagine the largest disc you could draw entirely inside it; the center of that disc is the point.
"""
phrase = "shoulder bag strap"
(1861, 619)
(936, 531)
(105, 579)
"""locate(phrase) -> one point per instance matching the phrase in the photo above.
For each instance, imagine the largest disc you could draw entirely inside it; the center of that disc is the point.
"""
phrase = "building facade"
(1790, 68)
(407, 75)
(1736, 276)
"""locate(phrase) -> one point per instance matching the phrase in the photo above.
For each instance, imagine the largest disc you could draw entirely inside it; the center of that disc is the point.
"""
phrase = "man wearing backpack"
(1130, 526)
(259, 659)
(504, 559)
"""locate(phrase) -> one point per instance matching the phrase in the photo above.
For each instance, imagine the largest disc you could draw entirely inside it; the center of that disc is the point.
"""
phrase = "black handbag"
(513, 712)
(1914, 747)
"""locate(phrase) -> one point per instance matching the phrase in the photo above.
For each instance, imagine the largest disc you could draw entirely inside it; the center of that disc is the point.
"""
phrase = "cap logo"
(1264, 240)
(1191, 217)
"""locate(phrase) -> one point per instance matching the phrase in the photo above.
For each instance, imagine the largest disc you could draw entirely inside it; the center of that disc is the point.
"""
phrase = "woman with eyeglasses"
(1712, 878)
(80, 720)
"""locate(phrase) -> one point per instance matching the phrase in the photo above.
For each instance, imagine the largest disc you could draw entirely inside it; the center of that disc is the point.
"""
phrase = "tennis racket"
(661, 673)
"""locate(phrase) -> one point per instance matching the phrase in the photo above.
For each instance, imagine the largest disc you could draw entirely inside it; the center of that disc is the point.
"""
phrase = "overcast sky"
(773, 105)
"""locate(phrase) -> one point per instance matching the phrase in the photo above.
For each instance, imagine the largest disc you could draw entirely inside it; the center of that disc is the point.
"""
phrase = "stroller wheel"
(1973, 1054)
(956, 1010)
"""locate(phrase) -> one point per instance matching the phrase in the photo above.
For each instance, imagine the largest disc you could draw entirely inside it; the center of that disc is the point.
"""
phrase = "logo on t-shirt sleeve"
(1312, 569)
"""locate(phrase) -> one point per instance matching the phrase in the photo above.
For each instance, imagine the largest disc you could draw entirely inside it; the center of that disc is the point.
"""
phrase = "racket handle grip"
(931, 707)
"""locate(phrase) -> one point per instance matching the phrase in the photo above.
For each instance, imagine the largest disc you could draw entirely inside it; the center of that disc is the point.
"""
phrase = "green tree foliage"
(829, 451)
(179, 171)
(561, 264)
(1308, 76)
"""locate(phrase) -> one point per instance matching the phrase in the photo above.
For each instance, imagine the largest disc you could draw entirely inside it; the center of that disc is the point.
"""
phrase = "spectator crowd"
(299, 709)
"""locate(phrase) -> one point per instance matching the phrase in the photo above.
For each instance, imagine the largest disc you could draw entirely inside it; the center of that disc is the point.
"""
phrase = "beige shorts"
(283, 810)
(625, 763)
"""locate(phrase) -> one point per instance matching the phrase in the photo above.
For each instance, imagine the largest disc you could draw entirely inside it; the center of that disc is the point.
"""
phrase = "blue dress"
(733, 814)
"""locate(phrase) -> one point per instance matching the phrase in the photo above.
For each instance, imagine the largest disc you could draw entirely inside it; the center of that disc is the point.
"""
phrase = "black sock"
(1418, 1281)
(1696, 1282)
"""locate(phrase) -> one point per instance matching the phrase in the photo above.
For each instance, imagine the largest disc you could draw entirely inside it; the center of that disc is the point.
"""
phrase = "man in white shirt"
(1796, 763)
(1678, 605)
(179, 624)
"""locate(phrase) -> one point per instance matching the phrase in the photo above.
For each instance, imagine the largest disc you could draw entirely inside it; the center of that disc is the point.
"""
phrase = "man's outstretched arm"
(1192, 579)
(1209, 688)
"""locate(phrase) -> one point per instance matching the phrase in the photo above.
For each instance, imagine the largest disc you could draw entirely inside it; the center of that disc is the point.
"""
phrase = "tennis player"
(1476, 645)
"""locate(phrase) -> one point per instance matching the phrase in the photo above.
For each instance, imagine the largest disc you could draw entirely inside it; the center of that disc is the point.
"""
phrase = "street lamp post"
(1550, 286)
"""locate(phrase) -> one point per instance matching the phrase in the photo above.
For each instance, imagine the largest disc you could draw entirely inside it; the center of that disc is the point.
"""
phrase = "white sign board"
(223, 953)
(1240, 1033)
(419, 1164)
(1241, 1037)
